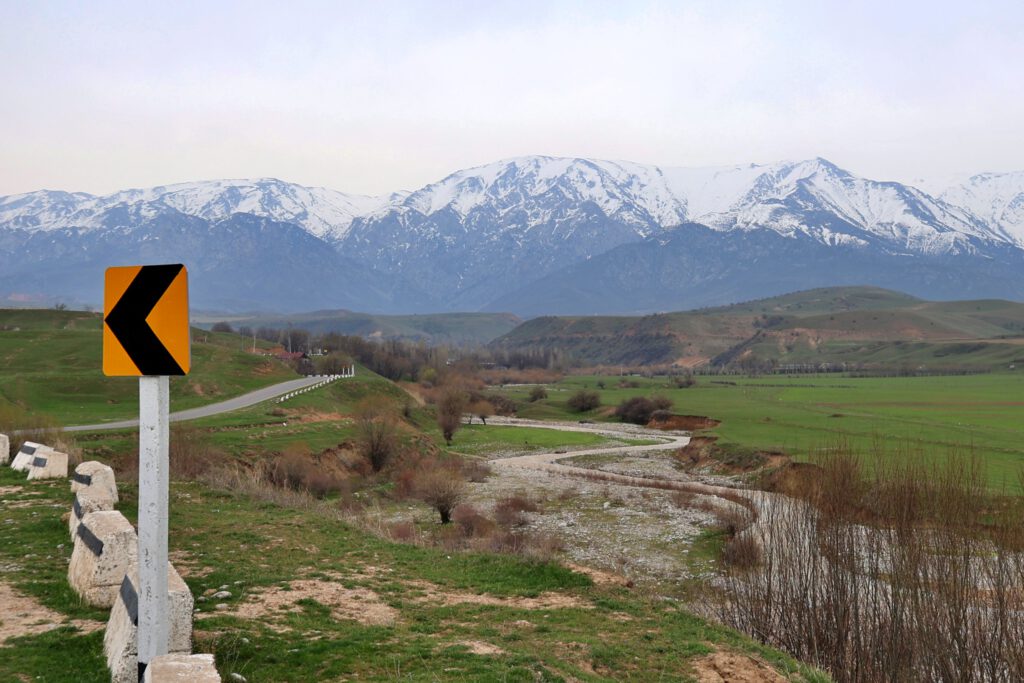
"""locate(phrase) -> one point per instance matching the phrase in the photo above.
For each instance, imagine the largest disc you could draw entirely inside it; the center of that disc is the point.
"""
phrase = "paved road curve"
(237, 403)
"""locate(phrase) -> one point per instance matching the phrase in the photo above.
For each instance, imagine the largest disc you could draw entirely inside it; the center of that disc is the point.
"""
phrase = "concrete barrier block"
(23, 458)
(48, 464)
(85, 503)
(5, 449)
(105, 547)
(182, 669)
(120, 642)
(95, 476)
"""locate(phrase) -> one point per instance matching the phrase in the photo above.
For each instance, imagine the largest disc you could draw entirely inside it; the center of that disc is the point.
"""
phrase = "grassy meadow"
(51, 365)
(801, 415)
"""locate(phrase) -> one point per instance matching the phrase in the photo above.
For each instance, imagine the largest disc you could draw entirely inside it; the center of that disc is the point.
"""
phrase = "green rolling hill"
(441, 328)
(51, 365)
(861, 326)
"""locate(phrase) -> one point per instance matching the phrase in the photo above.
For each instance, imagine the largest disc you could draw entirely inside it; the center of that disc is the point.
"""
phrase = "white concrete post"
(154, 473)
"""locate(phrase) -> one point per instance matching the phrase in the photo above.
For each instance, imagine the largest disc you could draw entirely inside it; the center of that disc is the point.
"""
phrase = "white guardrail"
(327, 379)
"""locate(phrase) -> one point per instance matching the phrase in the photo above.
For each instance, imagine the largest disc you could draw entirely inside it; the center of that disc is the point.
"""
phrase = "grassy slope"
(850, 324)
(51, 363)
(436, 328)
(799, 415)
(613, 634)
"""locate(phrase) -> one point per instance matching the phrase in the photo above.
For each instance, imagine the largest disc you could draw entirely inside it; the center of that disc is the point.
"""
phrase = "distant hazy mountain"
(530, 235)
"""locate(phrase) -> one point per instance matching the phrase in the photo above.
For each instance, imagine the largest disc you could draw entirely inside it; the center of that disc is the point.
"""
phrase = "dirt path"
(669, 441)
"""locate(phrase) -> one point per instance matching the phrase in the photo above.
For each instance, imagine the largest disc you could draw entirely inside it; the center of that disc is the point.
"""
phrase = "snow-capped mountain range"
(478, 236)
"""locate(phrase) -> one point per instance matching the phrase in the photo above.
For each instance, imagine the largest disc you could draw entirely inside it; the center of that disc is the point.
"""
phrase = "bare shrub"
(511, 511)
(639, 409)
(545, 546)
(476, 471)
(296, 469)
(584, 400)
(404, 532)
(742, 552)
(190, 453)
(471, 522)
(889, 567)
(377, 434)
(450, 405)
(441, 486)
(732, 518)
(682, 499)
(538, 393)
(481, 408)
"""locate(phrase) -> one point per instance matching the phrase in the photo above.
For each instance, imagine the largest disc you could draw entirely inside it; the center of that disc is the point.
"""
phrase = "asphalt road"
(243, 401)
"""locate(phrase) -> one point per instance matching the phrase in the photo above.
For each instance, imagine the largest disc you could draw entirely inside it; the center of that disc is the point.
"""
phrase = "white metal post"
(154, 473)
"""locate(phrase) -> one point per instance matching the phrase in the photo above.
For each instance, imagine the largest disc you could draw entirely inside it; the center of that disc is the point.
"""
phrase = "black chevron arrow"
(127, 320)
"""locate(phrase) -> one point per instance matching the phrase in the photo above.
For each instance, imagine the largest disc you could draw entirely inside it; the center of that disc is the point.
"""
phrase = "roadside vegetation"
(870, 526)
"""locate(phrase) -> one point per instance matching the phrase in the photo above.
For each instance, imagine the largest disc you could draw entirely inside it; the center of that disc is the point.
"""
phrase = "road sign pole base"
(154, 474)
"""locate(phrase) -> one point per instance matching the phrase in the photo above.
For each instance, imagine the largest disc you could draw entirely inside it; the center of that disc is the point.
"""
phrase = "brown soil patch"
(303, 415)
(733, 667)
(18, 504)
(436, 594)
(699, 449)
(24, 616)
(414, 391)
(5, 490)
(263, 369)
(691, 361)
(187, 566)
(356, 604)
(600, 578)
(478, 647)
(793, 479)
(689, 423)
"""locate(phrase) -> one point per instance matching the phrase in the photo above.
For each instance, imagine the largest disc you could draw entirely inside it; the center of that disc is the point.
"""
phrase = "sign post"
(146, 335)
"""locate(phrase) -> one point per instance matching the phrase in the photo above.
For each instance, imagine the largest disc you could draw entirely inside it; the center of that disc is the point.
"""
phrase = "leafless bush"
(403, 532)
(297, 469)
(442, 487)
(450, 405)
(377, 434)
(471, 522)
(904, 569)
(190, 453)
(475, 471)
(742, 552)
(683, 499)
(510, 512)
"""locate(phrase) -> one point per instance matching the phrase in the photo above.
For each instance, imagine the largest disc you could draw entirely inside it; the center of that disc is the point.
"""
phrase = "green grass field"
(983, 414)
(579, 632)
(51, 365)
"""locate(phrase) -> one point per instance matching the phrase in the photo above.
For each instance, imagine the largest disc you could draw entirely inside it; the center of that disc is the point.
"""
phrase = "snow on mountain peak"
(813, 197)
(612, 186)
(322, 212)
(996, 198)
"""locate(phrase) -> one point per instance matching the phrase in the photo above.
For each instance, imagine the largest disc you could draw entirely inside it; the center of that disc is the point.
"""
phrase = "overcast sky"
(372, 96)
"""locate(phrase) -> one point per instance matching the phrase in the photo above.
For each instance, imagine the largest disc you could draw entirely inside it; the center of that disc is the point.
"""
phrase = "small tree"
(450, 406)
(377, 434)
(443, 488)
(222, 327)
(538, 393)
(584, 400)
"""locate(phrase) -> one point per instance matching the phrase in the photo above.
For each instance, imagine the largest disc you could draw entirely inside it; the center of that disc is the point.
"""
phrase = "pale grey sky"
(372, 97)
